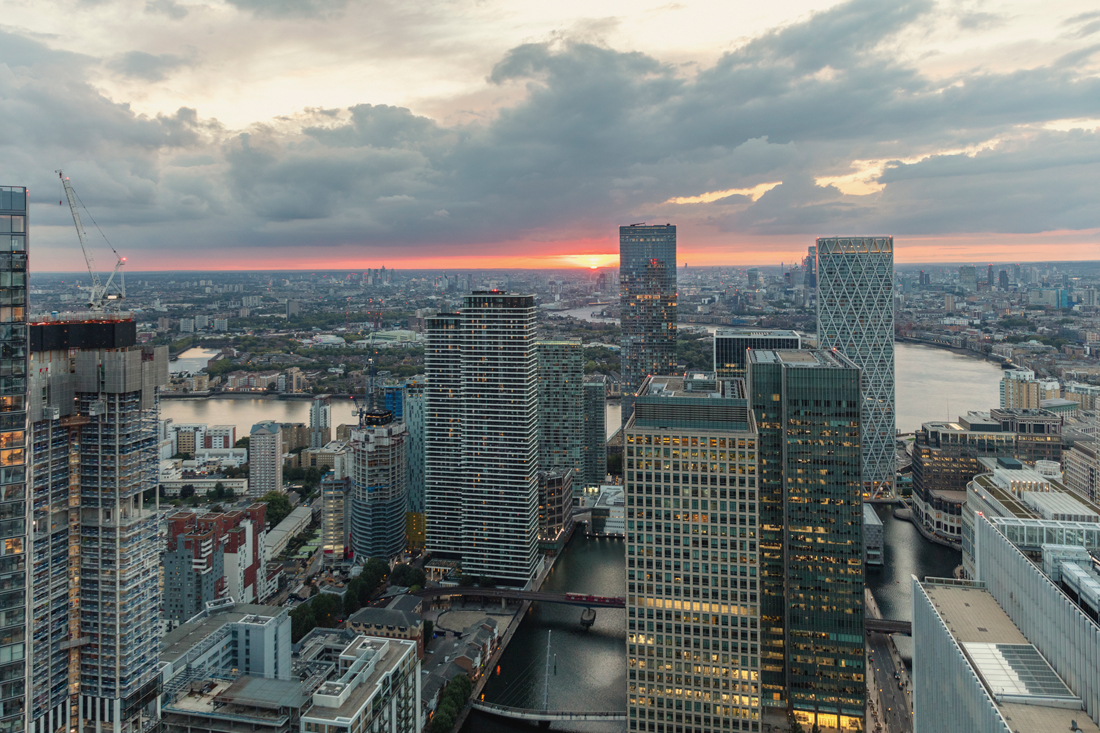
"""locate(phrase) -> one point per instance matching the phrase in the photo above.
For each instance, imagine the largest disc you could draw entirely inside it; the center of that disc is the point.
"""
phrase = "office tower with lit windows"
(15, 644)
(693, 605)
(732, 345)
(482, 436)
(647, 294)
(807, 407)
(95, 605)
(561, 406)
(855, 315)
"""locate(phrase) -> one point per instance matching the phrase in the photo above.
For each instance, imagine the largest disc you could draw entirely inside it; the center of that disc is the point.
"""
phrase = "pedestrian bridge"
(888, 626)
(571, 599)
(543, 716)
(885, 626)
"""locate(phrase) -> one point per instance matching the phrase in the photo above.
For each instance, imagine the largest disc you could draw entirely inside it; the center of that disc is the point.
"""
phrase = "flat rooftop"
(801, 358)
(180, 640)
(692, 385)
(388, 661)
(1008, 664)
(749, 333)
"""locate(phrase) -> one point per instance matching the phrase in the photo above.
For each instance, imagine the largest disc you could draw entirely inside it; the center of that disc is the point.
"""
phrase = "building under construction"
(95, 600)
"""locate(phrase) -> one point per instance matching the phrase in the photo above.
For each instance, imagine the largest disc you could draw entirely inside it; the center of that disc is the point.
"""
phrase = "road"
(895, 714)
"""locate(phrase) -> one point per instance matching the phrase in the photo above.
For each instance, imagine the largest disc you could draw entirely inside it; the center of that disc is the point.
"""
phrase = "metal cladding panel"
(122, 371)
(82, 335)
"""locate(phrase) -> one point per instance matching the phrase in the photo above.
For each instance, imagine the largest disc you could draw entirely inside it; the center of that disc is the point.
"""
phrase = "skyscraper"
(413, 406)
(320, 421)
(693, 609)
(481, 444)
(595, 433)
(855, 315)
(968, 278)
(561, 406)
(378, 485)
(265, 459)
(96, 600)
(16, 647)
(806, 404)
(731, 347)
(647, 292)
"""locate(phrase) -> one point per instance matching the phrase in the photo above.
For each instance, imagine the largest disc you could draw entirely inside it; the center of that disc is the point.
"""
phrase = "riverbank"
(245, 396)
(905, 513)
(998, 360)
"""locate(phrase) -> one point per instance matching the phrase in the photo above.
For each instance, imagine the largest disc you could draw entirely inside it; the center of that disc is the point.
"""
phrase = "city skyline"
(496, 133)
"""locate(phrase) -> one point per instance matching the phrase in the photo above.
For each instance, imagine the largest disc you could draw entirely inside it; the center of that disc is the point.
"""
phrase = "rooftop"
(182, 639)
(347, 696)
(802, 358)
(1019, 680)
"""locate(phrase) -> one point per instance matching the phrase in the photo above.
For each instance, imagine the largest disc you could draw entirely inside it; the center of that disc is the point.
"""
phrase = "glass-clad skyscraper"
(647, 285)
(855, 314)
(13, 457)
(806, 405)
(731, 347)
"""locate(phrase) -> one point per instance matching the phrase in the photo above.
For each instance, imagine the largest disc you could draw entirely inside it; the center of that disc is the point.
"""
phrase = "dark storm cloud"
(599, 137)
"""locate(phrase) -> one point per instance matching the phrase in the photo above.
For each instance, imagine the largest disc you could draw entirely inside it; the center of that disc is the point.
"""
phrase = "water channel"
(932, 384)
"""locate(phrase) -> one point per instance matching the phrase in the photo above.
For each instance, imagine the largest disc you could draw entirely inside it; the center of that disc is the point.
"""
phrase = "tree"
(302, 622)
(278, 506)
(326, 607)
(442, 722)
(241, 442)
(429, 631)
(408, 576)
(351, 601)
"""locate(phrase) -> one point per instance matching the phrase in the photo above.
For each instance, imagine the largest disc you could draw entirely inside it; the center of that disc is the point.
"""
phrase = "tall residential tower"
(481, 436)
(15, 647)
(855, 315)
(96, 598)
(647, 292)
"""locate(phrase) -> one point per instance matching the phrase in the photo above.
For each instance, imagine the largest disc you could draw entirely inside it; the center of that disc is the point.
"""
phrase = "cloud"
(980, 21)
(291, 8)
(147, 66)
(166, 7)
(595, 136)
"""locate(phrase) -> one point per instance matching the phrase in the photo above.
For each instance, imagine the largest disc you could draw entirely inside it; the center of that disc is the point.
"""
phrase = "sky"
(310, 134)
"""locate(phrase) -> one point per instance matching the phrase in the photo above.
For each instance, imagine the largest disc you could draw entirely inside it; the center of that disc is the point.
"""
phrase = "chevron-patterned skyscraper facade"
(855, 315)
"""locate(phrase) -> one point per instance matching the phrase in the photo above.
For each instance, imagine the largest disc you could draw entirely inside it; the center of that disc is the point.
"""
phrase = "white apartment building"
(265, 459)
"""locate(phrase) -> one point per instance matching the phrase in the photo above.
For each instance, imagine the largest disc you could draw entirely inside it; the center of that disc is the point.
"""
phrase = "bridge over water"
(886, 626)
(543, 716)
(569, 599)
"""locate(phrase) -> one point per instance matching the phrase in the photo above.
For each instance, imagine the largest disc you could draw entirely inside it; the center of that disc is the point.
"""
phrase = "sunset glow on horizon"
(246, 134)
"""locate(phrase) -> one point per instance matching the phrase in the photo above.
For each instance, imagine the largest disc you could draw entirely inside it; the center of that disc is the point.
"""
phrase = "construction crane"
(99, 297)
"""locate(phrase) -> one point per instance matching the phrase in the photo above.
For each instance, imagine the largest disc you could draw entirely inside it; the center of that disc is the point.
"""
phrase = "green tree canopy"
(278, 506)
